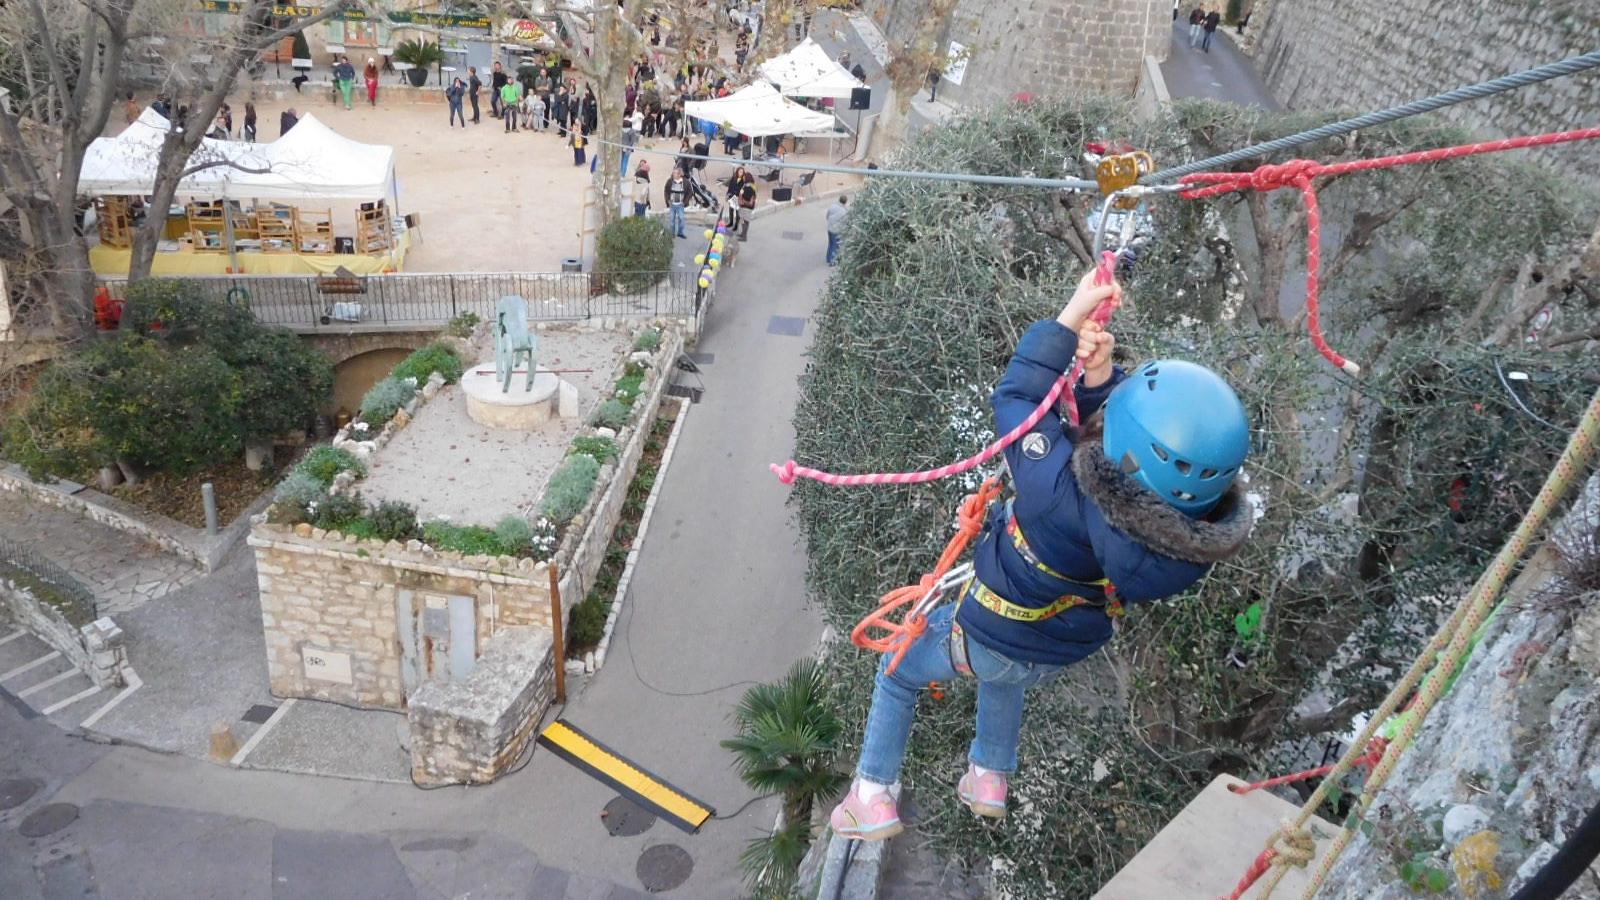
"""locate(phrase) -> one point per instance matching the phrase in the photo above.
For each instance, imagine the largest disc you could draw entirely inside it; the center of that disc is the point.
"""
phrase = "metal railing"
(425, 299)
(59, 589)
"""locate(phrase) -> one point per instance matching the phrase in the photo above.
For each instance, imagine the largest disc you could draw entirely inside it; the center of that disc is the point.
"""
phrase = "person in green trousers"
(344, 75)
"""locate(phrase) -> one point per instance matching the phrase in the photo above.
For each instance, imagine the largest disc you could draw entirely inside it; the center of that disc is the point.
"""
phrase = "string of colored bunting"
(1295, 173)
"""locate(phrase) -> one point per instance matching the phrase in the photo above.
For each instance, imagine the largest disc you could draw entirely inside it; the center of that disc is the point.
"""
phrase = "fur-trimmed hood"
(1133, 508)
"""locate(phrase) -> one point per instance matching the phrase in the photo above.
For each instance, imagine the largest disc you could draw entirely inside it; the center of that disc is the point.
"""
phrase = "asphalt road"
(1222, 74)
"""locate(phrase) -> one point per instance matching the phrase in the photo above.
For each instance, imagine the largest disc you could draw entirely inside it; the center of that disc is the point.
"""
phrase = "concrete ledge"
(470, 732)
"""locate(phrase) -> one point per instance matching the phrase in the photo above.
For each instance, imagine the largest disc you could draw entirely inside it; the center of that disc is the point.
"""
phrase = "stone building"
(1038, 46)
(1367, 54)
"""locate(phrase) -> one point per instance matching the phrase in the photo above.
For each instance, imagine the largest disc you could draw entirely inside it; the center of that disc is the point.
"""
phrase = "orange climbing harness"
(895, 638)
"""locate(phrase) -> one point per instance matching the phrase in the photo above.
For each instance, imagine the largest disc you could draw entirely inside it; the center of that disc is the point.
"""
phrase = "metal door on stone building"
(438, 637)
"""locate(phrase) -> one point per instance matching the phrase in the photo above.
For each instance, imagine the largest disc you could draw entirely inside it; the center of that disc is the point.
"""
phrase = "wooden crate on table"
(277, 226)
(374, 228)
(115, 220)
(314, 231)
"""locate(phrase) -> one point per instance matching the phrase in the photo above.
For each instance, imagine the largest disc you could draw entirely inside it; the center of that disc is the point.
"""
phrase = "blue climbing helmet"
(1179, 430)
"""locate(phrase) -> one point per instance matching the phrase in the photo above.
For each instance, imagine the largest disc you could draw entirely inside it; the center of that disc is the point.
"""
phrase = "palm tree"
(787, 742)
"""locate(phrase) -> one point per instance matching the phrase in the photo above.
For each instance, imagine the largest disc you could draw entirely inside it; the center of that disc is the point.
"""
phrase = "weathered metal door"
(438, 637)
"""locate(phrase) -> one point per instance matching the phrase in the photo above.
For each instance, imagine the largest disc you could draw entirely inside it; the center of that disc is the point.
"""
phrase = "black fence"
(48, 581)
(425, 299)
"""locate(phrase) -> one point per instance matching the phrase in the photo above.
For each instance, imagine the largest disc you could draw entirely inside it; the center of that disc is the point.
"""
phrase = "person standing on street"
(474, 84)
(933, 85)
(453, 95)
(577, 141)
(287, 121)
(249, 122)
(677, 194)
(541, 89)
(497, 81)
(510, 96)
(747, 205)
(1197, 17)
(630, 139)
(344, 75)
(560, 103)
(836, 216)
(641, 189)
(1212, 20)
(371, 74)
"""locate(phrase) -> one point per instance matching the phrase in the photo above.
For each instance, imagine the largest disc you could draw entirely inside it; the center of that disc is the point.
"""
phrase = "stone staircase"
(44, 681)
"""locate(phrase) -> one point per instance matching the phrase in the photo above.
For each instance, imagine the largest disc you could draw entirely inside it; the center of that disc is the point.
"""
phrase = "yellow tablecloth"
(113, 262)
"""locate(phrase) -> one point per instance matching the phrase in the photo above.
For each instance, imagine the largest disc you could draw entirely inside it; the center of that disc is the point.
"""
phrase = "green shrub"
(603, 449)
(338, 511)
(634, 253)
(170, 408)
(530, 539)
(393, 520)
(629, 387)
(612, 414)
(648, 339)
(462, 325)
(471, 540)
(48, 436)
(569, 488)
(324, 463)
(179, 311)
(384, 400)
(433, 358)
(284, 382)
(587, 624)
(299, 491)
(633, 368)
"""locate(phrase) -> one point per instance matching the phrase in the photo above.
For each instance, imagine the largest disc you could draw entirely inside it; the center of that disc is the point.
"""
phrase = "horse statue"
(514, 342)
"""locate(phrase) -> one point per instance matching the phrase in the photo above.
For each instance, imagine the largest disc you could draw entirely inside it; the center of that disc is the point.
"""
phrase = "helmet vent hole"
(1184, 468)
(1160, 453)
(1153, 371)
(1129, 464)
(1185, 496)
(1207, 474)
(1151, 384)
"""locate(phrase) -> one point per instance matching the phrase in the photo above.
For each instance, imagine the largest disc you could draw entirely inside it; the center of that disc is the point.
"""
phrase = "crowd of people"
(1202, 25)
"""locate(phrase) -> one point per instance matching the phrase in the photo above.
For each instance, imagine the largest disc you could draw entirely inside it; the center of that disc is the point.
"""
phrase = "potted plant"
(302, 51)
(420, 55)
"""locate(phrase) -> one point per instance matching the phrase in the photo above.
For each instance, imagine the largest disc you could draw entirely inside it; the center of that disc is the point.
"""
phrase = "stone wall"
(1039, 46)
(1367, 54)
(469, 732)
(95, 649)
(332, 593)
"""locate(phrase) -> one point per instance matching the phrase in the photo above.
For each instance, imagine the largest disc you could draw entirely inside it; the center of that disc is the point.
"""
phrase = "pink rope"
(1105, 273)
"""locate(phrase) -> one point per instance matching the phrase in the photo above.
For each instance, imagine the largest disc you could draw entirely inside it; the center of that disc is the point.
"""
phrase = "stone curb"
(772, 209)
(638, 541)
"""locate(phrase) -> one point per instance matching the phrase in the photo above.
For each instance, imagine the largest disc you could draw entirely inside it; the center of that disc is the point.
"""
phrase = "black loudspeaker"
(344, 245)
(781, 194)
(860, 98)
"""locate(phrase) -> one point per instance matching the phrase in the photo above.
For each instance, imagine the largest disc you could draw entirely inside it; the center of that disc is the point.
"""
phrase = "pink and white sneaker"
(984, 794)
(868, 820)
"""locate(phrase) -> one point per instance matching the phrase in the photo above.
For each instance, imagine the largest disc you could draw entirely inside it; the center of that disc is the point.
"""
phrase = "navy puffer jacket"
(1082, 518)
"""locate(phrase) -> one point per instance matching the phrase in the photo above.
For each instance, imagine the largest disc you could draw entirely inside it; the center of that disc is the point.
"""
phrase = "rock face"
(1509, 761)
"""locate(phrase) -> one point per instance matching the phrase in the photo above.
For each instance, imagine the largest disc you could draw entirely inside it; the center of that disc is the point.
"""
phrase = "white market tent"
(311, 162)
(759, 110)
(807, 71)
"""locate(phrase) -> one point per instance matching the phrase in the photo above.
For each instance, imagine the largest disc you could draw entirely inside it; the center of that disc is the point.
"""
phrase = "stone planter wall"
(96, 649)
(469, 732)
(326, 591)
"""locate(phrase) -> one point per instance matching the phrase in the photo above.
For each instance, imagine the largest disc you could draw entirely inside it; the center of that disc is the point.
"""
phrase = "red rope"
(1262, 863)
(1298, 173)
(1375, 751)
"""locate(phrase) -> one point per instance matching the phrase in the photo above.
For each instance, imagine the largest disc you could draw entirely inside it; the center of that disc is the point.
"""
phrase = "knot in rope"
(785, 472)
(1299, 847)
(1272, 177)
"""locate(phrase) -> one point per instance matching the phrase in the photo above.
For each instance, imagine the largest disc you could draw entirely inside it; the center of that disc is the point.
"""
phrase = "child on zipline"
(1133, 507)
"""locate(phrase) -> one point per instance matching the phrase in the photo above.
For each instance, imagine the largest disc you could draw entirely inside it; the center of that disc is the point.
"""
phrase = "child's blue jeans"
(1001, 683)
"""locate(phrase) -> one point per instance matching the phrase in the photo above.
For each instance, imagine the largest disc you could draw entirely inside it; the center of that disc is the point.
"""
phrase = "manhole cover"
(625, 818)
(48, 820)
(790, 326)
(15, 791)
(664, 867)
(259, 713)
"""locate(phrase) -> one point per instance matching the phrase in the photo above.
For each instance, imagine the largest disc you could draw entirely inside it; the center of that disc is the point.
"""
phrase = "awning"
(311, 162)
(759, 110)
(807, 71)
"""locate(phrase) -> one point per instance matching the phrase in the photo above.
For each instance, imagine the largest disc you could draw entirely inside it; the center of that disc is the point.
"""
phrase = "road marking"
(27, 666)
(12, 636)
(87, 692)
(238, 758)
(134, 683)
(611, 768)
(53, 680)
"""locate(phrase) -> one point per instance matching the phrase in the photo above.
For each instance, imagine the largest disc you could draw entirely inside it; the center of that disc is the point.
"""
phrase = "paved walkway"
(1222, 74)
(122, 571)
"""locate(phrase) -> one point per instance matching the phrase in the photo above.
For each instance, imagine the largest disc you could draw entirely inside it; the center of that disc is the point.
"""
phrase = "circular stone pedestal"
(514, 410)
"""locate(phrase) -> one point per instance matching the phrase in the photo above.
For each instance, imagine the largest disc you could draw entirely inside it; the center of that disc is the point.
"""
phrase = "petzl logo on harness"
(1035, 446)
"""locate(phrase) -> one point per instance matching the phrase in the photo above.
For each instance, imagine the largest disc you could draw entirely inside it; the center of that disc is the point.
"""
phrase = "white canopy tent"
(311, 162)
(807, 71)
(759, 110)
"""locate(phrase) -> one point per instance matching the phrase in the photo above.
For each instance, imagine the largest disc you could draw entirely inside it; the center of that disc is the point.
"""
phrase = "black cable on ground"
(1571, 861)
(747, 804)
